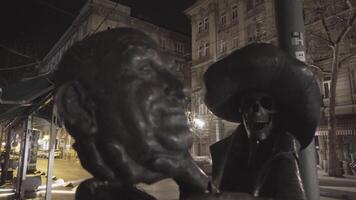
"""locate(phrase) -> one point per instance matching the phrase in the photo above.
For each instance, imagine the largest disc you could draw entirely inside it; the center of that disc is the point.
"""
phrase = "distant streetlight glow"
(199, 123)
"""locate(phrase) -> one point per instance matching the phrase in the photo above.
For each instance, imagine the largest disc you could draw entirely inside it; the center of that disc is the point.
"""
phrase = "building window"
(259, 31)
(206, 49)
(258, 2)
(162, 43)
(353, 80)
(200, 26)
(250, 4)
(203, 25)
(179, 47)
(200, 51)
(234, 13)
(353, 37)
(251, 33)
(180, 67)
(326, 88)
(235, 42)
(222, 46)
(223, 19)
(206, 23)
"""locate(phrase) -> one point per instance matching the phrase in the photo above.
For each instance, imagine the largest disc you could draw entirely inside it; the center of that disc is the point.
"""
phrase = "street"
(72, 171)
(68, 171)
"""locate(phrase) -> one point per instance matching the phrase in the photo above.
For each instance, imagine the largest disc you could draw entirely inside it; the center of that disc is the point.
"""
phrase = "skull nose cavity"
(255, 107)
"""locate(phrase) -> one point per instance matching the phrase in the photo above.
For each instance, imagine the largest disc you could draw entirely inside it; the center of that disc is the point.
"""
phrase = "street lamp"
(198, 123)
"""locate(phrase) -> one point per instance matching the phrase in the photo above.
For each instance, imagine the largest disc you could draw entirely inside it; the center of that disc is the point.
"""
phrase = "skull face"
(257, 111)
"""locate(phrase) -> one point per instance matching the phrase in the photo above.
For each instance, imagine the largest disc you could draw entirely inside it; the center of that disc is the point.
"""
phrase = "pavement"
(339, 188)
(69, 174)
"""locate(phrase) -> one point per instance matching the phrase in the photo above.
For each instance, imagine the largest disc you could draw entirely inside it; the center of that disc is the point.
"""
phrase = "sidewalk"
(340, 188)
(330, 189)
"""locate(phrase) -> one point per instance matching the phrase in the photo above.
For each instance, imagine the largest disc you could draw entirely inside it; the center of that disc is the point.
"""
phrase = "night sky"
(32, 27)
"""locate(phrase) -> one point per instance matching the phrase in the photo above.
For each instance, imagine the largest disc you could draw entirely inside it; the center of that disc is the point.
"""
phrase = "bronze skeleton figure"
(276, 100)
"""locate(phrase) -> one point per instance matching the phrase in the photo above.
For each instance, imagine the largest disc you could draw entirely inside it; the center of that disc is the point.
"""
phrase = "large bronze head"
(118, 89)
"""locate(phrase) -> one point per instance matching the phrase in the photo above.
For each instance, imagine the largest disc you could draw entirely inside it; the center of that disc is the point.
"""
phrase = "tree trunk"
(334, 166)
(322, 151)
(1, 137)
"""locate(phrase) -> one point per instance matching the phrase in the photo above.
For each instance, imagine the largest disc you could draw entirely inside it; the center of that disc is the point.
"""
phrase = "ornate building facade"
(222, 26)
(99, 15)
(218, 28)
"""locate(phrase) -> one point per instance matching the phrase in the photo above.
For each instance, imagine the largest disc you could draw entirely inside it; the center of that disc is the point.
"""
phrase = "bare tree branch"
(348, 57)
(326, 28)
(322, 38)
(351, 21)
(341, 19)
(319, 69)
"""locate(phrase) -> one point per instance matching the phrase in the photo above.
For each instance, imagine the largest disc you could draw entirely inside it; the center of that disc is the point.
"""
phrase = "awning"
(344, 131)
(24, 97)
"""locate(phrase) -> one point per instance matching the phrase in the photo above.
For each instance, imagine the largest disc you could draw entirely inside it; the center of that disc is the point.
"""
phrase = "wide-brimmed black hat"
(265, 68)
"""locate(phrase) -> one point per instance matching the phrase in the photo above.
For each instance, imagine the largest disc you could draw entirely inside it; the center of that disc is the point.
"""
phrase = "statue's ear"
(76, 108)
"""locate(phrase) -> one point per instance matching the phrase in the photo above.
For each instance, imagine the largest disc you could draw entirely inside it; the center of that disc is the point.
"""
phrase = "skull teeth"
(259, 125)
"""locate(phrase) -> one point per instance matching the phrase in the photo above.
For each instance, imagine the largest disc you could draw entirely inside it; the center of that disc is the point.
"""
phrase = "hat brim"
(263, 67)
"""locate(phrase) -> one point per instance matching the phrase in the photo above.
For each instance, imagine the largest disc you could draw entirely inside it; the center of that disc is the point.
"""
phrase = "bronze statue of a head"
(123, 103)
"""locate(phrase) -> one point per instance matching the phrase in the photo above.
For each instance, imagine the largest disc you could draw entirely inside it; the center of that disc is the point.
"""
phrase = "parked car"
(45, 153)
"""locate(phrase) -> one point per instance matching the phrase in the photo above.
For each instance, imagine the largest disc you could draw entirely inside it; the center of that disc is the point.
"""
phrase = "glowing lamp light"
(199, 123)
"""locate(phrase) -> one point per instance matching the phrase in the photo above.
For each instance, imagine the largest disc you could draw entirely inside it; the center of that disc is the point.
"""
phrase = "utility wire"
(17, 67)
(20, 54)
(57, 9)
(107, 16)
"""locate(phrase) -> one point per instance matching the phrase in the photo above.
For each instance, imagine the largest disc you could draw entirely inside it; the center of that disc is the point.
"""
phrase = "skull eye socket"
(267, 103)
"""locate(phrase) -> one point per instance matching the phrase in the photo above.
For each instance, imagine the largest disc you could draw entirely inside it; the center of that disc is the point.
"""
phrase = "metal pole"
(217, 130)
(5, 167)
(1, 137)
(52, 141)
(20, 193)
(291, 39)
